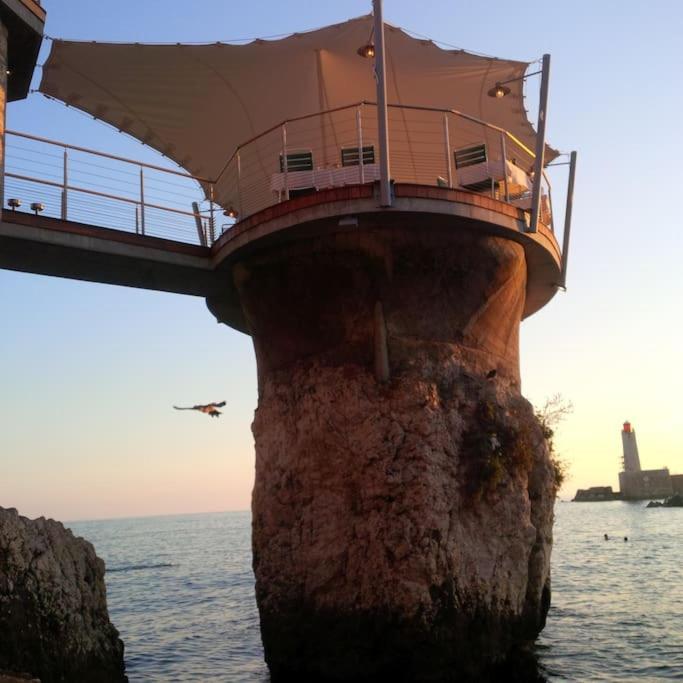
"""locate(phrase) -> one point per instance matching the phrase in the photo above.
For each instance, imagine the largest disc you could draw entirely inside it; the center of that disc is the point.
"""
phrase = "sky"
(88, 372)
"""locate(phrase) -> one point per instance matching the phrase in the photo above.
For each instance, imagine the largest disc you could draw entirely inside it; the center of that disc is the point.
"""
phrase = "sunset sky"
(89, 373)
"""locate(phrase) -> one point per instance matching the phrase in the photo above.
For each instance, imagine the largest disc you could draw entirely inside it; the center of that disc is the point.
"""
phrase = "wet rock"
(54, 622)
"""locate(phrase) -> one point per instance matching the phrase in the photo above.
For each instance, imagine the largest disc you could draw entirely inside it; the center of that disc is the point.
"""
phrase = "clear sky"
(88, 373)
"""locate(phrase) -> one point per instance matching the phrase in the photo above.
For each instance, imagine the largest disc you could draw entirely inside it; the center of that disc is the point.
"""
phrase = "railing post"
(239, 191)
(382, 116)
(568, 220)
(447, 143)
(65, 184)
(137, 220)
(504, 157)
(212, 223)
(540, 144)
(359, 128)
(142, 200)
(285, 164)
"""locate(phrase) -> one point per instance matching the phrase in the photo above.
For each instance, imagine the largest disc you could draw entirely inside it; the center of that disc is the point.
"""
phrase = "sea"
(180, 591)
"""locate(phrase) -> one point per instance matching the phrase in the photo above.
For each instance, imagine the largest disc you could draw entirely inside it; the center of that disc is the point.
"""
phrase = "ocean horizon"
(180, 591)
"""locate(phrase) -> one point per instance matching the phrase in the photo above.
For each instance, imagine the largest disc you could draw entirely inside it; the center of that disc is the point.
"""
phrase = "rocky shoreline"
(54, 623)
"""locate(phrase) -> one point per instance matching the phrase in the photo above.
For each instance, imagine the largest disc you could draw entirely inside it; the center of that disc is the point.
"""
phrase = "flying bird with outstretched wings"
(208, 408)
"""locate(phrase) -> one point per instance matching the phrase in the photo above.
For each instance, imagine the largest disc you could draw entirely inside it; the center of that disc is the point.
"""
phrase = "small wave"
(136, 567)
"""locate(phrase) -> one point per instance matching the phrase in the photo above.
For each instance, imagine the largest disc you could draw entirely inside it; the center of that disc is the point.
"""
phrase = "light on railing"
(231, 212)
(499, 91)
(14, 203)
(367, 51)
(37, 207)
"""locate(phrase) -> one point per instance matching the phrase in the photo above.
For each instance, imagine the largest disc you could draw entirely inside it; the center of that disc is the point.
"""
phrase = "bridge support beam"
(401, 520)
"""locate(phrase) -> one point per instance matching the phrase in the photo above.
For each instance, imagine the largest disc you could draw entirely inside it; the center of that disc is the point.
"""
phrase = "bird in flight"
(208, 408)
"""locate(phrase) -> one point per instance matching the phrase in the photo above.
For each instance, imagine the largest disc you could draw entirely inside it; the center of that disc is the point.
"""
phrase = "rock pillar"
(402, 509)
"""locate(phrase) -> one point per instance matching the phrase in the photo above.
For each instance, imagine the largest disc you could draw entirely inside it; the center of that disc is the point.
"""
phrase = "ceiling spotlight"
(8, 72)
(367, 51)
(14, 203)
(37, 207)
(499, 91)
(231, 212)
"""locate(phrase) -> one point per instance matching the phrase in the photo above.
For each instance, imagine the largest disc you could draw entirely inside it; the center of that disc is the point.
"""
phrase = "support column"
(3, 108)
(401, 520)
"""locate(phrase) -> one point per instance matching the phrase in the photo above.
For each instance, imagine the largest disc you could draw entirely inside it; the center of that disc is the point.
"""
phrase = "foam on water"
(181, 593)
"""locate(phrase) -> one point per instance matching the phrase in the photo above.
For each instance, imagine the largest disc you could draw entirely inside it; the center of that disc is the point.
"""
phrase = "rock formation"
(403, 527)
(54, 622)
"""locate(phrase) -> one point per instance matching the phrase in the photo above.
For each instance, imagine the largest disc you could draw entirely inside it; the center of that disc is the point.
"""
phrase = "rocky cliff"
(402, 509)
(54, 622)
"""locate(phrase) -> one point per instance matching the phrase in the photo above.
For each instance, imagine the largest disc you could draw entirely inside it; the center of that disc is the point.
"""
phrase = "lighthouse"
(631, 461)
(634, 482)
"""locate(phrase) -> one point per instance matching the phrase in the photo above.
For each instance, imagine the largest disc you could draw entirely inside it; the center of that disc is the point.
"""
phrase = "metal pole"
(142, 200)
(540, 144)
(504, 156)
(447, 142)
(382, 117)
(568, 220)
(359, 128)
(137, 220)
(212, 232)
(285, 164)
(199, 224)
(65, 183)
(239, 178)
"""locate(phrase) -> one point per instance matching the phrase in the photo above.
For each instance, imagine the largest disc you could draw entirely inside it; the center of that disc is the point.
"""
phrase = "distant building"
(595, 494)
(634, 482)
(631, 460)
(677, 483)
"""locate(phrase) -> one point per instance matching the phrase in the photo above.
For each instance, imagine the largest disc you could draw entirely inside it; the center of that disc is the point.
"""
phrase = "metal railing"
(423, 142)
(87, 186)
(299, 156)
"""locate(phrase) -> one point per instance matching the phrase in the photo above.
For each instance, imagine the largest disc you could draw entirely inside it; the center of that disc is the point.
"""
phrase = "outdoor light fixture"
(231, 212)
(37, 207)
(499, 91)
(367, 51)
(14, 203)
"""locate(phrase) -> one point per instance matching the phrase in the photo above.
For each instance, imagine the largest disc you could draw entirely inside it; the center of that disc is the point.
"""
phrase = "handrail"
(97, 193)
(115, 157)
(294, 119)
(370, 103)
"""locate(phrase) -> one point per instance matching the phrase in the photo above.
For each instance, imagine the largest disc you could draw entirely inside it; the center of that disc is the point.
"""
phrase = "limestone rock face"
(400, 528)
(54, 622)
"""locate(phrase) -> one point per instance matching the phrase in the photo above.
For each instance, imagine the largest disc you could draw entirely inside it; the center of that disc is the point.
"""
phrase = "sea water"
(181, 593)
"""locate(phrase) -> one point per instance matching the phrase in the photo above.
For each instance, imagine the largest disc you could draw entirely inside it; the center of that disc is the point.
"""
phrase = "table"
(518, 180)
(321, 178)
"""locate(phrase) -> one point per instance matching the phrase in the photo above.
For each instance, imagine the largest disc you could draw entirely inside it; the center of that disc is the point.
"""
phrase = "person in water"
(606, 537)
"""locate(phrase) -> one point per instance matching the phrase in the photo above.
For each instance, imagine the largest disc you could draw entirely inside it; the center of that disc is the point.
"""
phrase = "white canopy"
(197, 103)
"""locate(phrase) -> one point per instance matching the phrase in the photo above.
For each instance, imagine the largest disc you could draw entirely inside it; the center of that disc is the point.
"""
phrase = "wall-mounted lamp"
(500, 89)
(37, 207)
(14, 203)
(367, 51)
(231, 212)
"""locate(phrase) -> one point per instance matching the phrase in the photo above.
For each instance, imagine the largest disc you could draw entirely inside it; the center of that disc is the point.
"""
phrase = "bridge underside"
(49, 246)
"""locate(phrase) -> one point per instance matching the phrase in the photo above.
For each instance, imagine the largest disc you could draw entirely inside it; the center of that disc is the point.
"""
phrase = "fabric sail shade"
(197, 104)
